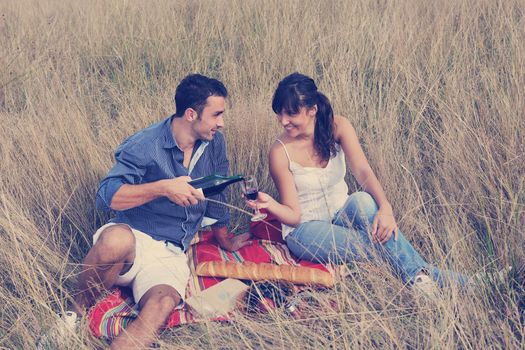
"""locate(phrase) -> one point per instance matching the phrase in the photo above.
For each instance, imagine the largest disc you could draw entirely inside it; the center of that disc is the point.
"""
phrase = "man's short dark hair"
(194, 90)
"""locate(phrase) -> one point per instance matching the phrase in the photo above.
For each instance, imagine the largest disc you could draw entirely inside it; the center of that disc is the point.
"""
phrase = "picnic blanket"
(113, 313)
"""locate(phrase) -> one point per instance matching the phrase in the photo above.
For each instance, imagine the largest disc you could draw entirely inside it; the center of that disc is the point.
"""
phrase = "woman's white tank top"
(322, 191)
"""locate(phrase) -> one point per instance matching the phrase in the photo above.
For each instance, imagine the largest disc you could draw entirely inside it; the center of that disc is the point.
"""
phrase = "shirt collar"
(169, 140)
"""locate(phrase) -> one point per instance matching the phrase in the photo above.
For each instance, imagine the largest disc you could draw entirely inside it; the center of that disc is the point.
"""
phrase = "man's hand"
(179, 191)
(229, 241)
(236, 242)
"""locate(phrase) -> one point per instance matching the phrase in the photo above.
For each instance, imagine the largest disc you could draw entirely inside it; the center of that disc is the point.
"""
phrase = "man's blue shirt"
(151, 155)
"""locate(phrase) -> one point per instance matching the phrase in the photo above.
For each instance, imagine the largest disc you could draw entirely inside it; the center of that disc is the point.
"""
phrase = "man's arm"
(123, 187)
(177, 190)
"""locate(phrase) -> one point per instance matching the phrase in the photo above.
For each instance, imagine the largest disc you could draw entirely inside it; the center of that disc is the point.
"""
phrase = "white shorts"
(156, 262)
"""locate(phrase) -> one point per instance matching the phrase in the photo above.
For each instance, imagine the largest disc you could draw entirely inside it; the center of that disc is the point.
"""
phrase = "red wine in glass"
(251, 193)
(250, 189)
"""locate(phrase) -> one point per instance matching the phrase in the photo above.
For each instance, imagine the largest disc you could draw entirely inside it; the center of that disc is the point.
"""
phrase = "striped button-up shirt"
(151, 155)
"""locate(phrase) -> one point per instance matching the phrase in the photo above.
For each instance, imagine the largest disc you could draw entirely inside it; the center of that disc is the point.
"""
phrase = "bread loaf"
(263, 271)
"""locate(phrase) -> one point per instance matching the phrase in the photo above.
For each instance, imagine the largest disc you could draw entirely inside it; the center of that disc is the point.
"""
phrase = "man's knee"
(116, 243)
(160, 300)
(166, 303)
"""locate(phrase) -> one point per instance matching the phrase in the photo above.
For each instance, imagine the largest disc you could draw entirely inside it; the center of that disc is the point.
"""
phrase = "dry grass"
(435, 90)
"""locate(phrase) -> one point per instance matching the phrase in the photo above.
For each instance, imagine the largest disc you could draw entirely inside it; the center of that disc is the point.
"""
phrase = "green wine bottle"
(214, 184)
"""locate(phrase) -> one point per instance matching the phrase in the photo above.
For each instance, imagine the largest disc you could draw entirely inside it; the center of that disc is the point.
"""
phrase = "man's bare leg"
(112, 254)
(155, 307)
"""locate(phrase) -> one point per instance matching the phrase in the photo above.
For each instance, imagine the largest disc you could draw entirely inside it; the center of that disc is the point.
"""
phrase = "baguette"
(259, 272)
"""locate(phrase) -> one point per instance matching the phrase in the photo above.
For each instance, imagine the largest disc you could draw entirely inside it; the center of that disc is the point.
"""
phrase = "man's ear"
(190, 114)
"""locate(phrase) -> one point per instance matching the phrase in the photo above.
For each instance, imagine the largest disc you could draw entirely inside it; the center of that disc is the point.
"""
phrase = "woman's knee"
(363, 201)
(115, 243)
(360, 209)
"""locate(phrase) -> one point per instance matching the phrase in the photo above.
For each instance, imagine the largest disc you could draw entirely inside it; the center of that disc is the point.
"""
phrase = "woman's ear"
(312, 111)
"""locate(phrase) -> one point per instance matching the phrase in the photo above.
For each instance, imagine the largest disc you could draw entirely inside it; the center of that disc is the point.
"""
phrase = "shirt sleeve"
(129, 168)
(221, 167)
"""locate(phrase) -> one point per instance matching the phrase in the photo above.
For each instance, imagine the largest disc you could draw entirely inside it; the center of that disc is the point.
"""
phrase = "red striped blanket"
(113, 313)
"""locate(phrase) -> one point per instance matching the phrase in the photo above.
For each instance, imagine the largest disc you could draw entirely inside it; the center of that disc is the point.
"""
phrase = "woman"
(321, 222)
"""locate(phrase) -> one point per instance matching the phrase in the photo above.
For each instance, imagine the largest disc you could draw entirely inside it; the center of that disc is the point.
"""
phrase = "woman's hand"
(263, 201)
(384, 225)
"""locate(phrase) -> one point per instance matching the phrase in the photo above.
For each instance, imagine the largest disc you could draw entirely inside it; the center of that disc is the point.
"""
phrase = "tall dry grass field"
(434, 89)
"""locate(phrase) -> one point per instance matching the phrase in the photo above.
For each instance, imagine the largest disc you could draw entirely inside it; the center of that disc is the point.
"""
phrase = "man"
(157, 211)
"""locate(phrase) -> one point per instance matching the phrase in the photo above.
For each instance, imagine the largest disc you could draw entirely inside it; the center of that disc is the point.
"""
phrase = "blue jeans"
(347, 238)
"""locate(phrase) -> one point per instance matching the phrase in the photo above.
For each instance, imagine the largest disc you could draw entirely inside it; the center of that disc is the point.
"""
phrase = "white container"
(219, 299)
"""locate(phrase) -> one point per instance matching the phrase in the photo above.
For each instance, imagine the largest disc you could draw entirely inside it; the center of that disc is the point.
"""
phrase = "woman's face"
(301, 123)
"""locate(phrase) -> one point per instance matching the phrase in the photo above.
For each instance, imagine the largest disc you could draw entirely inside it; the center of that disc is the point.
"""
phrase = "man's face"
(211, 118)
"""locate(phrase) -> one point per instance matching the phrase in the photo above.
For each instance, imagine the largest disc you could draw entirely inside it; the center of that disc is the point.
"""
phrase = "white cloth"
(322, 191)
(156, 262)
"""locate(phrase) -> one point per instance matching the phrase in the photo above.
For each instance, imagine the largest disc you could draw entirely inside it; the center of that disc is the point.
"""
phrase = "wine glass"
(250, 190)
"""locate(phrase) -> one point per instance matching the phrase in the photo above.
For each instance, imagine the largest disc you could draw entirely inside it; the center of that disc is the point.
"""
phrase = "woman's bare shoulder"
(339, 120)
(341, 126)
(280, 143)
(277, 149)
